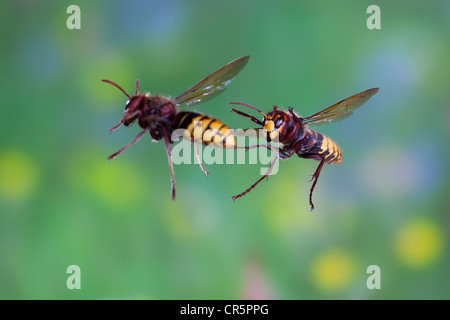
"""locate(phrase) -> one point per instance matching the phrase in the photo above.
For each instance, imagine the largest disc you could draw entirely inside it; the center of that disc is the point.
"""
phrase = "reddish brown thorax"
(152, 112)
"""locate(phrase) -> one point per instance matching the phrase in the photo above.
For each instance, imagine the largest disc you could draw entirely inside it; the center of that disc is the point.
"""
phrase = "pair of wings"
(215, 84)
(212, 85)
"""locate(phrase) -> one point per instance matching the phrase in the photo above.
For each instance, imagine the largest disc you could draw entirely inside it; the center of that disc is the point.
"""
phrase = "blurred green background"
(63, 203)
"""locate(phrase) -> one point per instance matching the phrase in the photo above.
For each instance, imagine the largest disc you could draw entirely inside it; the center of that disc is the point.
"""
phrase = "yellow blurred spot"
(18, 175)
(176, 220)
(111, 67)
(419, 243)
(333, 270)
(117, 183)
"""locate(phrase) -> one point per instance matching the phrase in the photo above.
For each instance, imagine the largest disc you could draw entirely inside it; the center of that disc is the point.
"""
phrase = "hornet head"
(132, 107)
(274, 123)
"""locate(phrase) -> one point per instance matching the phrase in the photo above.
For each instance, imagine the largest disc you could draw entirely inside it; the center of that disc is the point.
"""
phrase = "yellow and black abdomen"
(320, 146)
(203, 129)
(330, 150)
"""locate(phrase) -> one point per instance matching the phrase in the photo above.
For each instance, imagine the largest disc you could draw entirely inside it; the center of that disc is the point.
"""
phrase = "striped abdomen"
(319, 144)
(204, 129)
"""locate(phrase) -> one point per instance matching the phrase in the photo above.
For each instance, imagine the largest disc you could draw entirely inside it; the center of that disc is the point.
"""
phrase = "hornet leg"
(169, 156)
(257, 182)
(197, 154)
(268, 146)
(136, 113)
(136, 139)
(315, 177)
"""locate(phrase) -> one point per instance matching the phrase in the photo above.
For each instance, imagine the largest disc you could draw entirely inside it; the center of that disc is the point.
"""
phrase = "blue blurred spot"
(396, 72)
(39, 57)
(395, 69)
(146, 20)
(405, 169)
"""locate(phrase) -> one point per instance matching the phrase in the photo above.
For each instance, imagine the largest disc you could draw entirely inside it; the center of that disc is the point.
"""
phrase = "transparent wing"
(342, 109)
(212, 85)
